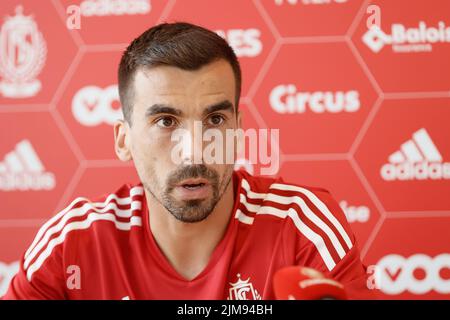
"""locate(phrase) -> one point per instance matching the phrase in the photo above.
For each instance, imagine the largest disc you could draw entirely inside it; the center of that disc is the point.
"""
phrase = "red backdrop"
(362, 111)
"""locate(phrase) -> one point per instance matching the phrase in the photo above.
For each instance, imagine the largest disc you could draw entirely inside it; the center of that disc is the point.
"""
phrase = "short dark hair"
(182, 45)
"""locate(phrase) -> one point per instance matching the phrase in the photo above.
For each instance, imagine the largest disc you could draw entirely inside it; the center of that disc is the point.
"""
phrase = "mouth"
(193, 188)
(193, 184)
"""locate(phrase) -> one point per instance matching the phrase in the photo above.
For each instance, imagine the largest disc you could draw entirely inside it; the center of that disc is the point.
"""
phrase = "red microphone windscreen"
(301, 283)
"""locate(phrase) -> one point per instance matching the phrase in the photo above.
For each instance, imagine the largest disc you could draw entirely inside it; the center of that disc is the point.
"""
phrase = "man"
(190, 230)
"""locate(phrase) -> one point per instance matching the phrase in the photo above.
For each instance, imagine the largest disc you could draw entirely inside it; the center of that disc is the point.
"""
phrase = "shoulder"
(308, 217)
(274, 197)
(119, 210)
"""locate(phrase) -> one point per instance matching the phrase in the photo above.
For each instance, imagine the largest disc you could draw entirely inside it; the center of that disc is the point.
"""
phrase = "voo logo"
(418, 274)
(286, 99)
(92, 106)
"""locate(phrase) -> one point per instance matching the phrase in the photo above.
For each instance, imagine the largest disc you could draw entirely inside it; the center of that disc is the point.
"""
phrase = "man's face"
(166, 99)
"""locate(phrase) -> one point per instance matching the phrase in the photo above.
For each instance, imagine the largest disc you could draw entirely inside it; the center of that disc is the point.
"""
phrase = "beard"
(193, 210)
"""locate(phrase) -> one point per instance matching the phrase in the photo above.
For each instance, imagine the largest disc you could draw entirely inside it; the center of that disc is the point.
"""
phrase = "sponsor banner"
(309, 96)
(36, 50)
(405, 154)
(95, 19)
(413, 264)
(36, 165)
(311, 17)
(406, 51)
(313, 72)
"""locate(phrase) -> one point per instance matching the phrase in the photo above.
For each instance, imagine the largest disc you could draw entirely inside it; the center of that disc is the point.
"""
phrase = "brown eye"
(166, 122)
(216, 120)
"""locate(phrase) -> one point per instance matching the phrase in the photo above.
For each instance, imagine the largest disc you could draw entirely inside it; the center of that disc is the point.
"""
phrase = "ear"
(122, 140)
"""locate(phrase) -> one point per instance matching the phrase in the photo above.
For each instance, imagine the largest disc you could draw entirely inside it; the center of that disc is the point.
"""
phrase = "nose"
(191, 140)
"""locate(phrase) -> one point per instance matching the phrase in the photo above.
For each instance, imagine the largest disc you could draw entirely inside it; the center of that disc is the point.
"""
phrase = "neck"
(189, 246)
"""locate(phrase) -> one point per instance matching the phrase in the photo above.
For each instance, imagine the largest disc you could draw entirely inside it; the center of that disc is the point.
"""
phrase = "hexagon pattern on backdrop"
(359, 90)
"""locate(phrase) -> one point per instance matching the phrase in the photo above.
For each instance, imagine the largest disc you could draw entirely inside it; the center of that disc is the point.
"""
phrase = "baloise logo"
(407, 39)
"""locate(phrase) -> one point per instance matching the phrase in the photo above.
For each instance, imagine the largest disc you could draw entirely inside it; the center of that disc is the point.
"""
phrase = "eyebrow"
(221, 106)
(162, 108)
(159, 108)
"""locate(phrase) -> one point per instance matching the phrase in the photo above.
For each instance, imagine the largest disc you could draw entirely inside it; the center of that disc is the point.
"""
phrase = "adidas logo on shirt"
(22, 170)
(417, 159)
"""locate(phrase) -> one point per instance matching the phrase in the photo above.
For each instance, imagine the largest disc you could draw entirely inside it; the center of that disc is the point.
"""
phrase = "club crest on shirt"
(243, 290)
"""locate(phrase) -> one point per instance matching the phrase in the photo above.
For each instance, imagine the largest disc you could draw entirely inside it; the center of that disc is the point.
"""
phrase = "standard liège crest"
(23, 52)
(243, 290)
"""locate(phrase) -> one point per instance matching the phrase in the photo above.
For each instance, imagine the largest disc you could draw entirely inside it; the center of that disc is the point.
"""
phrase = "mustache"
(192, 171)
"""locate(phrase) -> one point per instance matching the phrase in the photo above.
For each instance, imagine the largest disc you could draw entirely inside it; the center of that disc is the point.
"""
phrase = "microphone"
(301, 283)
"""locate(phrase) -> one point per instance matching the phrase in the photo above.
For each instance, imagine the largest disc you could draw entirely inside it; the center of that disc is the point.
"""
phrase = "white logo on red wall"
(102, 8)
(287, 99)
(245, 42)
(420, 38)
(22, 56)
(355, 213)
(92, 105)
(306, 2)
(417, 159)
(418, 274)
(7, 272)
(22, 170)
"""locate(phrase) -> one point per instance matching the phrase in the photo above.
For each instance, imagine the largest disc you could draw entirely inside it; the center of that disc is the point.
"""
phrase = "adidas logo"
(22, 170)
(417, 159)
